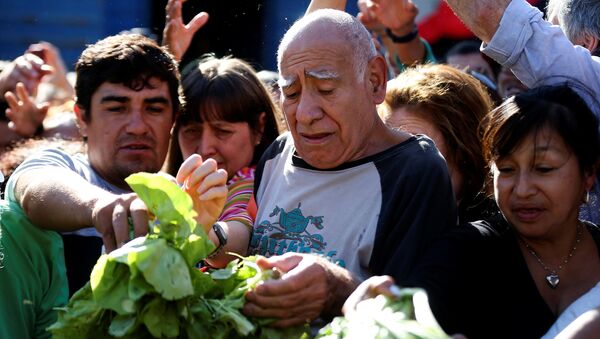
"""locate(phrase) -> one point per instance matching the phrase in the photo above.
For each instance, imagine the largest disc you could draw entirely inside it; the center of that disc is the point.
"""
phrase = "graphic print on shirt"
(286, 231)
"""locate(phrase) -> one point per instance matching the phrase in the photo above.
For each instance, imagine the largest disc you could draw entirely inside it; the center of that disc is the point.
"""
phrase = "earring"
(586, 197)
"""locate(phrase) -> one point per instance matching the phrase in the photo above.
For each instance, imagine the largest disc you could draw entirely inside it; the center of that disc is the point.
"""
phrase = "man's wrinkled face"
(326, 103)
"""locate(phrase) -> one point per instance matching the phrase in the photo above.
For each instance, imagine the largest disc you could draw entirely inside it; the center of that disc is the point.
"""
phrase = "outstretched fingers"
(197, 22)
(173, 10)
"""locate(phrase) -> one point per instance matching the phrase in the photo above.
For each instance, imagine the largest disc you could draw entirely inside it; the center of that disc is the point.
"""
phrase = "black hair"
(558, 107)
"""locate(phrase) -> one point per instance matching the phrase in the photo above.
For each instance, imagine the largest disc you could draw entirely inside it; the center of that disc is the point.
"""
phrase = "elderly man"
(360, 197)
(127, 96)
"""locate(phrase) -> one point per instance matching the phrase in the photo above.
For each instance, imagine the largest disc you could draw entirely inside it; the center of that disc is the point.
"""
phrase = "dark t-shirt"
(375, 215)
(479, 284)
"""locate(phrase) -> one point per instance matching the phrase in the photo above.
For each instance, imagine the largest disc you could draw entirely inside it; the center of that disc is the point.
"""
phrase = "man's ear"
(81, 121)
(590, 42)
(377, 78)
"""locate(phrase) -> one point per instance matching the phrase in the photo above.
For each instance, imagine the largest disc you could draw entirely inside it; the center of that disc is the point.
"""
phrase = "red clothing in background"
(444, 24)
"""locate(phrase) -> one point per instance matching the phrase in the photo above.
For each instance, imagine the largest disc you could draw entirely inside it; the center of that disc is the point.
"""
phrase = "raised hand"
(51, 56)
(368, 17)
(397, 15)
(24, 114)
(207, 185)
(177, 36)
(27, 69)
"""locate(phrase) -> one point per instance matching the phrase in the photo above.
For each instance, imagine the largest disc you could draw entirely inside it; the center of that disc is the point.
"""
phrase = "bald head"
(335, 26)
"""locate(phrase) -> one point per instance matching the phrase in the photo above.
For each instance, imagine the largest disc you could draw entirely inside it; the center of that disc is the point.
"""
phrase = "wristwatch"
(404, 38)
(222, 236)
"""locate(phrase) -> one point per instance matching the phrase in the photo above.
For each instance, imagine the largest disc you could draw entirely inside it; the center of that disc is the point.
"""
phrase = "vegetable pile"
(408, 316)
(150, 286)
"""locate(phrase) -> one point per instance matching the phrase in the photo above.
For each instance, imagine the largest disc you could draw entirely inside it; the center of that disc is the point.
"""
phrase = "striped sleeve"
(241, 188)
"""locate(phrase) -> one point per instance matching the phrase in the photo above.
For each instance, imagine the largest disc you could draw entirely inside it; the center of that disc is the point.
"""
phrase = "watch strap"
(400, 39)
(222, 236)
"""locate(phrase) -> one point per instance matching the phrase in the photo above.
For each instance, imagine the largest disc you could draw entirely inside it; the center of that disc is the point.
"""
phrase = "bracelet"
(404, 38)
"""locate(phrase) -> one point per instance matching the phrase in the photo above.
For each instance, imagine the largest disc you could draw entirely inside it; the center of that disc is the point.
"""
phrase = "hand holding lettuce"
(378, 309)
(150, 286)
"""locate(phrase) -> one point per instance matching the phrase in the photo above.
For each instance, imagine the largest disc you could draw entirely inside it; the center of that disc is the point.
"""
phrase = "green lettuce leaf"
(150, 287)
(383, 317)
(165, 269)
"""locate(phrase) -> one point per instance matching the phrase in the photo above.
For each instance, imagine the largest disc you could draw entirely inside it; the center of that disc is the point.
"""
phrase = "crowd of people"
(364, 162)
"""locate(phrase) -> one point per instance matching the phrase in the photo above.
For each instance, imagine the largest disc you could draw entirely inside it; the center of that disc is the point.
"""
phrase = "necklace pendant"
(552, 279)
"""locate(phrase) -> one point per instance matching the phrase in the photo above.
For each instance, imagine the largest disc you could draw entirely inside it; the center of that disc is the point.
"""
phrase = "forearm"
(320, 4)
(410, 53)
(57, 199)
(238, 238)
(341, 284)
(482, 17)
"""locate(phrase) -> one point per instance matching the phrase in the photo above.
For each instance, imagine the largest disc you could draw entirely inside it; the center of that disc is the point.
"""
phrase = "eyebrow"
(110, 98)
(284, 82)
(156, 100)
(322, 75)
(124, 99)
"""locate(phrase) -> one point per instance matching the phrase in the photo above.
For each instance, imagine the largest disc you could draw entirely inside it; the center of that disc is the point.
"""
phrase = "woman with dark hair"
(513, 279)
(229, 116)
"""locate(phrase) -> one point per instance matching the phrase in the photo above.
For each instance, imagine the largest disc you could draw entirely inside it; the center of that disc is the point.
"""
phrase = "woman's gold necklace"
(552, 277)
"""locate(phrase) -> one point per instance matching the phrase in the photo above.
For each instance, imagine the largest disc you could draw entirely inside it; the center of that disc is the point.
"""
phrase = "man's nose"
(137, 123)
(308, 109)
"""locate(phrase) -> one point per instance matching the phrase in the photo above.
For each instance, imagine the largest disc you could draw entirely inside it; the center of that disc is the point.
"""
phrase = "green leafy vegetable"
(151, 288)
(383, 317)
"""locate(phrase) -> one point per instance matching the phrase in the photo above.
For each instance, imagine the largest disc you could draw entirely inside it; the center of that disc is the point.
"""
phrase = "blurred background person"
(447, 105)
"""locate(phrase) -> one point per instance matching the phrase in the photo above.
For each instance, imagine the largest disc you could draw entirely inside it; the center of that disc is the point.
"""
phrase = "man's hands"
(482, 17)
(111, 215)
(207, 185)
(24, 114)
(202, 180)
(397, 15)
(177, 36)
(310, 285)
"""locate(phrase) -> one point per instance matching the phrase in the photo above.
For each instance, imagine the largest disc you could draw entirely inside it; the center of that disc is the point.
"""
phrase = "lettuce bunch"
(151, 288)
(407, 316)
